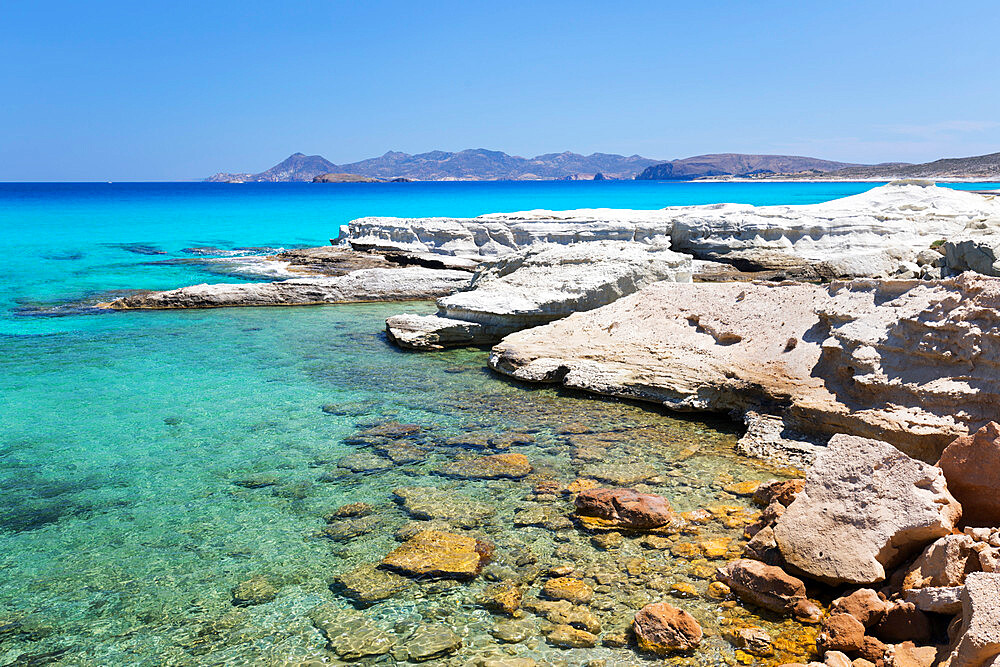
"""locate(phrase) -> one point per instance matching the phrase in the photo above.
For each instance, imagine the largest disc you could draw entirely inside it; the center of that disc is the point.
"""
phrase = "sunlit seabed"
(123, 435)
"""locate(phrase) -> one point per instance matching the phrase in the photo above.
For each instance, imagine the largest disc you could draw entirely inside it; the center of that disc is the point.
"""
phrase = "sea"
(152, 462)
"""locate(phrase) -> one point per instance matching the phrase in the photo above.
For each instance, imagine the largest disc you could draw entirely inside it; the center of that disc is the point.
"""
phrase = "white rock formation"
(865, 507)
(536, 285)
(404, 284)
(877, 233)
(914, 363)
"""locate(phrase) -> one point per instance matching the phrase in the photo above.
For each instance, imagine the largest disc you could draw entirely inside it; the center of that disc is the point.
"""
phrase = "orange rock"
(662, 628)
(437, 553)
(568, 588)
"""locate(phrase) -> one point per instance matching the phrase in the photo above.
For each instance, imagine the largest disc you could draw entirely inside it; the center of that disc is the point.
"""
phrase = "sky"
(179, 90)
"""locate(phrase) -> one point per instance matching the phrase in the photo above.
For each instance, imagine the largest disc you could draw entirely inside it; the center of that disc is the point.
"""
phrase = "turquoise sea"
(151, 461)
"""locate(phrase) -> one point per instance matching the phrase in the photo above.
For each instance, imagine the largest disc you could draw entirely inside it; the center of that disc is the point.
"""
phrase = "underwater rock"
(258, 589)
(361, 462)
(619, 474)
(566, 636)
(563, 612)
(436, 553)
(432, 641)
(429, 502)
(504, 597)
(625, 509)
(865, 507)
(971, 464)
(569, 589)
(369, 584)
(769, 587)
(496, 466)
(391, 430)
(349, 510)
(512, 632)
(662, 628)
(349, 634)
(342, 530)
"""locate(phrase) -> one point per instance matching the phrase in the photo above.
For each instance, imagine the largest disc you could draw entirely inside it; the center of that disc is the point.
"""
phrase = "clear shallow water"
(128, 439)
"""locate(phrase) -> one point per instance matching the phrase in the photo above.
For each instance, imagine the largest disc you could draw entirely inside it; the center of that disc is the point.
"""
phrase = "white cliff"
(913, 363)
(404, 284)
(886, 231)
(536, 285)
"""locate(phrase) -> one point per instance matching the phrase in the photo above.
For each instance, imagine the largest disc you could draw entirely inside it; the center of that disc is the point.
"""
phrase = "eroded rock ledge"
(536, 285)
(891, 230)
(913, 363)
(402, 284)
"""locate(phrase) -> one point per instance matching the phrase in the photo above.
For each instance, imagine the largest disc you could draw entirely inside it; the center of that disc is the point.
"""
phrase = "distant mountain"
(296, 167)
(986, 167)
(736, 164)
(467, 165)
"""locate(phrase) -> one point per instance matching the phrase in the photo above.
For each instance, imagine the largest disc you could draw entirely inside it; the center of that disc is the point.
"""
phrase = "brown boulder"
(769, 587)
(662, 628)
(782, 491)
(863, 604)
(841, 632)
(625, 509)
(971, 464)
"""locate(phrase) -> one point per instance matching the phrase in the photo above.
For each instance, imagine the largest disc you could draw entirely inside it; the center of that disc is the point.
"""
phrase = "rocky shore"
(401, 284)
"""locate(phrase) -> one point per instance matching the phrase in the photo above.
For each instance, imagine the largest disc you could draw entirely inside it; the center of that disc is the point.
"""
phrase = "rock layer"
(405, 284)
(537, 285)
(870, 234)
(864, 508)
(914, 363)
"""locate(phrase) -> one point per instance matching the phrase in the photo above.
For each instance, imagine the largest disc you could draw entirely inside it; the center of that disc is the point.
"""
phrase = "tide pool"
(152, 461)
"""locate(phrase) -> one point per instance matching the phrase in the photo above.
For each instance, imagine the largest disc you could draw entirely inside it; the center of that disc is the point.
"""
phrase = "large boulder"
(769, 587)
(945, 562)
(971, 464)
(662, 628)
(865, 507)
(537, 285)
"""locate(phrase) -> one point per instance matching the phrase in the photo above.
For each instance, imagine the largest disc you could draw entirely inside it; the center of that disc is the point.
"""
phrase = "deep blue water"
(122, 433)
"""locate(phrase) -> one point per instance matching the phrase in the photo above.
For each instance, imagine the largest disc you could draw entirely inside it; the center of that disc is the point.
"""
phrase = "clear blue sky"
(113, 90)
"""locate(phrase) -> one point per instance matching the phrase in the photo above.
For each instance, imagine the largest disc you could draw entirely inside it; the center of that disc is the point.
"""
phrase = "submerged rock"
(662, 628)
(429, 502)
(437, 553)
(566, 636)
(432, 641)
(496, 466)
(898, 360)
(364, 285)
(625, 509)
(369, 584)
(769, 587)
(568, 588)
(865, 507)
(258, 589)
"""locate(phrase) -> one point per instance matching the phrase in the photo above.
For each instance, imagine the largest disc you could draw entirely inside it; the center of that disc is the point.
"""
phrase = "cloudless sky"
(114, 90)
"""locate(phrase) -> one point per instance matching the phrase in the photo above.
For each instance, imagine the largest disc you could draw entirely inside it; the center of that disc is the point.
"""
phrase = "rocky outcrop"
(971, 464)
(864, 508)
(404, 284)
(877, 233)
(537, 285)
(914, 363)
